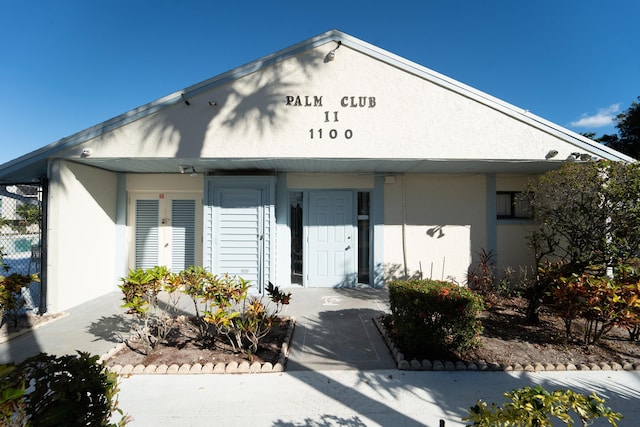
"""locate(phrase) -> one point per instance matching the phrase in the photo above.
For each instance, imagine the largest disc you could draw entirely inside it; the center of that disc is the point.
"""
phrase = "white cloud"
(604, 117)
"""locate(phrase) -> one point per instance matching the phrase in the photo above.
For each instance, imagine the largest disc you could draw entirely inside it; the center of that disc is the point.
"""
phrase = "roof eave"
(41, 155)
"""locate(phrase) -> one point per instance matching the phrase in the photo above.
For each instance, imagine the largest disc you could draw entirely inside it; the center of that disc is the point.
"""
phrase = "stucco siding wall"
(165, 183)
(298, 181)
(513, 253)
(513, 250)
(445, 223)
(279, 112)
(81, 232)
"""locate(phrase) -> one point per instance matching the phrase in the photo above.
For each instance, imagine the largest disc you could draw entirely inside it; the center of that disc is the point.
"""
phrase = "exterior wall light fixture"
(188, 169)
(551, 154)
(332, 53)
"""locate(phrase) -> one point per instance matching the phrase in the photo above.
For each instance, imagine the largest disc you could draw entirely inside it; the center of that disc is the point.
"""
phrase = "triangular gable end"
(364, 105)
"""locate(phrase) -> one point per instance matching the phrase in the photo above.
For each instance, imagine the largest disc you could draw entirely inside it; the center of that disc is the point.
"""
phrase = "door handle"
(347, 248)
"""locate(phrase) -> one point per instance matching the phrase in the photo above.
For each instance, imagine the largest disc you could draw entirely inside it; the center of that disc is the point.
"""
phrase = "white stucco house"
(329, 163)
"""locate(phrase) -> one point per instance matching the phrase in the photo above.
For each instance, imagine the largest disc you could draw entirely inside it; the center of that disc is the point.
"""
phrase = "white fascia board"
(580, 141)
(138, 113)
(332, 35)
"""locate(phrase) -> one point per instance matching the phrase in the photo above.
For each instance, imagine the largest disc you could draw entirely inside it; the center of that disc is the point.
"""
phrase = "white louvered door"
(147, 229)
(239, 233)
(167, 231)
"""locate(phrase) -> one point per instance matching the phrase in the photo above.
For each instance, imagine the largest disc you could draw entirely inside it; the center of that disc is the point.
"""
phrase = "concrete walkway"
(335, 330)
(351, 397)
(339, 373)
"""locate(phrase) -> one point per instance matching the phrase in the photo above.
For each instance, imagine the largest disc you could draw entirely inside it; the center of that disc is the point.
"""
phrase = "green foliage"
(433, 316)
(222, 306)
(628, 125)
(140, 291)
(588, 216)
(603, 301)
(535, 407)
(13, 407)
(4, 267)
(73, 390)
(515, 281)
(482, 278)
(278, 297)
(28, 213)
(11, 301)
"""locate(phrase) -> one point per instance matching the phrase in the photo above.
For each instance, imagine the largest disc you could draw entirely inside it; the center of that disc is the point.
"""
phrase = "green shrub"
(11, 300)
(432, 316)
(534, 406)
(45, 390)
(603, 302)
(223, 307)
(140, 291)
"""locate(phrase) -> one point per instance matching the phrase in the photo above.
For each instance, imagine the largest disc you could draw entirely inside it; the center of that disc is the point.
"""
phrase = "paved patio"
(339, 373)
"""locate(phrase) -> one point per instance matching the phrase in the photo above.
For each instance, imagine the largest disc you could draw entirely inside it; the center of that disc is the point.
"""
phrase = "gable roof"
(34, 165)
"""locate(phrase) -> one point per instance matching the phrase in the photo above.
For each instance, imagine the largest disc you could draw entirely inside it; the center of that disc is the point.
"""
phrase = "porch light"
(332, 53)
(188, 169)
(551, 154)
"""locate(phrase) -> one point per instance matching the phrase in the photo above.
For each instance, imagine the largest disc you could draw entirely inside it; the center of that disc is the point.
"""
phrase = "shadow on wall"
(251, 103)
(390, 272)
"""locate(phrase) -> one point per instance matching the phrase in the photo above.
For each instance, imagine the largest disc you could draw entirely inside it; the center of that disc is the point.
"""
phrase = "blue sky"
(69, 64)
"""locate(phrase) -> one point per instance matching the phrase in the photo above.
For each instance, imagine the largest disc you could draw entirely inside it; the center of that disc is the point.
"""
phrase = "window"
(296, 225)
(512, 204)
(363, 237)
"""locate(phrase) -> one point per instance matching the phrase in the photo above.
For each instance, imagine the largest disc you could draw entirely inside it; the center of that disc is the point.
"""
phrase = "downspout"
(404, 229)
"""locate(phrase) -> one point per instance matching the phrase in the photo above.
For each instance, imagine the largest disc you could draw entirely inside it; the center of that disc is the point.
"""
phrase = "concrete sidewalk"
(94, 327)
(351, 397)
(339, 373)
(335, 330)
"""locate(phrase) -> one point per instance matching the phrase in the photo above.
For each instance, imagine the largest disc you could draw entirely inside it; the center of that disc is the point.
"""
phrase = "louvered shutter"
(146, 233)
(183, 234)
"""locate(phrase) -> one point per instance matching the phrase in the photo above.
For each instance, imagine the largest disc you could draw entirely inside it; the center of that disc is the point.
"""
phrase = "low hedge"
(47, 390)
(433, 317)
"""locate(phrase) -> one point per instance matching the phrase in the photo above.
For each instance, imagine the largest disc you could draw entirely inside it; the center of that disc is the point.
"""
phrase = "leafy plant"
(588, 216)
(535, 406)
(603, 302)
(515, 282)
(140, 292)
(3, 266)
(13, 408)
(11, 300)
(278, 297)
(244, 320)
(68, 390)
(222, 306)
(28, 213)
(432, 316)
(482, 278)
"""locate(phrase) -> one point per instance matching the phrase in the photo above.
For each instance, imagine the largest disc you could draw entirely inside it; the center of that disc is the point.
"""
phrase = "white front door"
(331, 242)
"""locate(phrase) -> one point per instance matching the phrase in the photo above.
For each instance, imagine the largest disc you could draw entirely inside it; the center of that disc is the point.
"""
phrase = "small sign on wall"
(333, 131)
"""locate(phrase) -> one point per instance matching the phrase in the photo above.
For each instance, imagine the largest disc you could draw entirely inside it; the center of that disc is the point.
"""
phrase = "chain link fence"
(21, 225)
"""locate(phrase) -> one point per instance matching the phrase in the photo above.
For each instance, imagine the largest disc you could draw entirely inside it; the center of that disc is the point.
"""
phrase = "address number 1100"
(333, 133)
